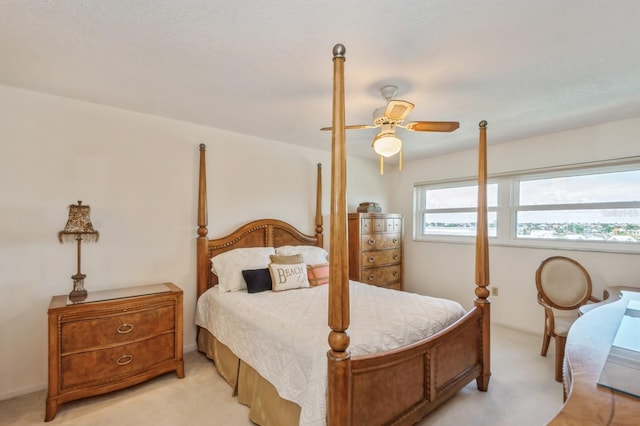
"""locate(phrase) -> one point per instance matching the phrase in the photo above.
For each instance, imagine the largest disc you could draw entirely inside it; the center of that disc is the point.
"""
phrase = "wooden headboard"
(257, 233)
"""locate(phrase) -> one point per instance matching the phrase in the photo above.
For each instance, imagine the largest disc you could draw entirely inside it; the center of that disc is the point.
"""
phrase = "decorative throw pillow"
(318, 274)
(228, 266)
(288, 276)
(257, 280)
(311, 254)
(294, 258)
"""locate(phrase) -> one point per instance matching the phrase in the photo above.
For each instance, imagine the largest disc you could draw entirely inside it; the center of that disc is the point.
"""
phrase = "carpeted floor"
(522, 391)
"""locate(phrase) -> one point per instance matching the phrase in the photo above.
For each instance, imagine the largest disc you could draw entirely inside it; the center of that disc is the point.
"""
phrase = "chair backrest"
(563, 283)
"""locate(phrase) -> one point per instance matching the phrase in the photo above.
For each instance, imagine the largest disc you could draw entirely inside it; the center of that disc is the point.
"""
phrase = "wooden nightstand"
(112, 340)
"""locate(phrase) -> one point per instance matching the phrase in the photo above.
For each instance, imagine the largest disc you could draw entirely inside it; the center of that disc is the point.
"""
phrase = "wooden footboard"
(401, 386)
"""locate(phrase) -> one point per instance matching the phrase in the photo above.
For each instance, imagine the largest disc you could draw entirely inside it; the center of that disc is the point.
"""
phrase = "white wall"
(139, 175)
(447, 270)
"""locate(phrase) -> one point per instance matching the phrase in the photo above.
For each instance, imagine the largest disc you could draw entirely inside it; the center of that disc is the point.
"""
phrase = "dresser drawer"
(380, 224)
(382, 276)
(394, 286)
(381, 241)
(111, 364)
(393, 225)
(380, 258)
(130, 325)
(373, 225)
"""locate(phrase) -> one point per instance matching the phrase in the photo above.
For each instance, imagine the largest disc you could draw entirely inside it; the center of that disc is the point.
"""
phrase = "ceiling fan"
(391, 116)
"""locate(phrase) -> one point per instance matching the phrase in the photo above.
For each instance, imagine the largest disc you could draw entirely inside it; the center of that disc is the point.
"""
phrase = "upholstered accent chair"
(563, 286)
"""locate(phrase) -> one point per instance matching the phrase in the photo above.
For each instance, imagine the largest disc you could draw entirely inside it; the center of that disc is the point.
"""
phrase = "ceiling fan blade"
(432, 126)
(398, 110)
(354, 127)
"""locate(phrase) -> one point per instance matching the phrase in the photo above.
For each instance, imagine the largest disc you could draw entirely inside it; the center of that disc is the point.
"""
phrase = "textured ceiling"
(264, 68)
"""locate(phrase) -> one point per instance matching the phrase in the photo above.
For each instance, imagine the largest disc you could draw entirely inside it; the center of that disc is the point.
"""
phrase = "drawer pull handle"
(395, 257)
(371, 241)
(371, 277)
(395, 241)
(395, 273)
(125, 328)
(124, 359)
(372, 259)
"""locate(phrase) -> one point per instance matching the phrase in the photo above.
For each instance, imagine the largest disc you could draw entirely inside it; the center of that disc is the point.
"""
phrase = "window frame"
(420, 200)
(508, 207)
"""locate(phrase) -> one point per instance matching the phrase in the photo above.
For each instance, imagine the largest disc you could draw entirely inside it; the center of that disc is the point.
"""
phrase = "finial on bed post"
(482, 259)
(202, 241)
(338, 357)
(319, 227)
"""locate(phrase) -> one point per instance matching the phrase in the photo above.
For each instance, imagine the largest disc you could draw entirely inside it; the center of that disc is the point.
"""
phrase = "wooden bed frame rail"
(416, 379)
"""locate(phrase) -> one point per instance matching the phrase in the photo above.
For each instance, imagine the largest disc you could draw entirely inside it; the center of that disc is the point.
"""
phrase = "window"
(594, 208)
(451, 210)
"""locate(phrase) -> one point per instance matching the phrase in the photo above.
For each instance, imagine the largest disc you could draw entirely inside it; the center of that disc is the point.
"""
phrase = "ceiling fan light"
(387, 144)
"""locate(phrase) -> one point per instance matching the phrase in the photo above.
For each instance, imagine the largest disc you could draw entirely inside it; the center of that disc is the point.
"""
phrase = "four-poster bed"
(388, 385)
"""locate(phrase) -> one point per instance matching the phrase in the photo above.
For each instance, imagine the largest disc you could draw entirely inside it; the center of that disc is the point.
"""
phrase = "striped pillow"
(318, 274)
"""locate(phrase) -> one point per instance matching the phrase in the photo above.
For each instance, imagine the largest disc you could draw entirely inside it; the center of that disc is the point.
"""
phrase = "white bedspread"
(283, 335)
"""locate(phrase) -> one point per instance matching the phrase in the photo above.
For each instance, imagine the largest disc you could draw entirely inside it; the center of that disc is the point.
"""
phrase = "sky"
(593, 188)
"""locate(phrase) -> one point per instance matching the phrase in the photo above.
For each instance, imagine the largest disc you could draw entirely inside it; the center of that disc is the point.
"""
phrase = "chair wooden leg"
(545, 344)
(560, 343)
(546, 337)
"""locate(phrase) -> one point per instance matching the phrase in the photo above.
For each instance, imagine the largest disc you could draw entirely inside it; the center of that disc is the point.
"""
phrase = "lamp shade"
(79, 223)
(387, 144)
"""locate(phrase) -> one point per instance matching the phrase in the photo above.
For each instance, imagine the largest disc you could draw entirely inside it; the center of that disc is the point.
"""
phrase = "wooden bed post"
(319, 227)
(338, 358)
(202, 241)
(482, 260)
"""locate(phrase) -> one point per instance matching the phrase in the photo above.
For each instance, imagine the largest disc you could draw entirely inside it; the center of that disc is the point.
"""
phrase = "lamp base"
(78, 294)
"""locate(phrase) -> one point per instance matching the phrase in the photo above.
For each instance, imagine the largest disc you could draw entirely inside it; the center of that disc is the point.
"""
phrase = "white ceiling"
(264, 68)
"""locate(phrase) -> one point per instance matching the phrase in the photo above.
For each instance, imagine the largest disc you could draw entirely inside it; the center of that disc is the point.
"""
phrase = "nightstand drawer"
(117, 328)
(111, 364)
(380, 258)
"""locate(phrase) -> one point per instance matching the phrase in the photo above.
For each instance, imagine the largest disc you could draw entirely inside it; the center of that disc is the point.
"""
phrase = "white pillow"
(229, 265)
(287, 276)
(311, 255)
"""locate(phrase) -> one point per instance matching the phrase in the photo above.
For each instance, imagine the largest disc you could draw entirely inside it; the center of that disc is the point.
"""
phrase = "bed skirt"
(266, 407)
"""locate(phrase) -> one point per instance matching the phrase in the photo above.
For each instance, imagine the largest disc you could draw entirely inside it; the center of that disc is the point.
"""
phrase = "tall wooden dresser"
(375, 249)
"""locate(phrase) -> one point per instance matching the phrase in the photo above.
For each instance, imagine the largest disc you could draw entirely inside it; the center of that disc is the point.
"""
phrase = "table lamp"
(78, 228)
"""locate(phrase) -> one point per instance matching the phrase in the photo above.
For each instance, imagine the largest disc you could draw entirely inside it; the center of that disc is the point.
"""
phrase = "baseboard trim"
(23, 390)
